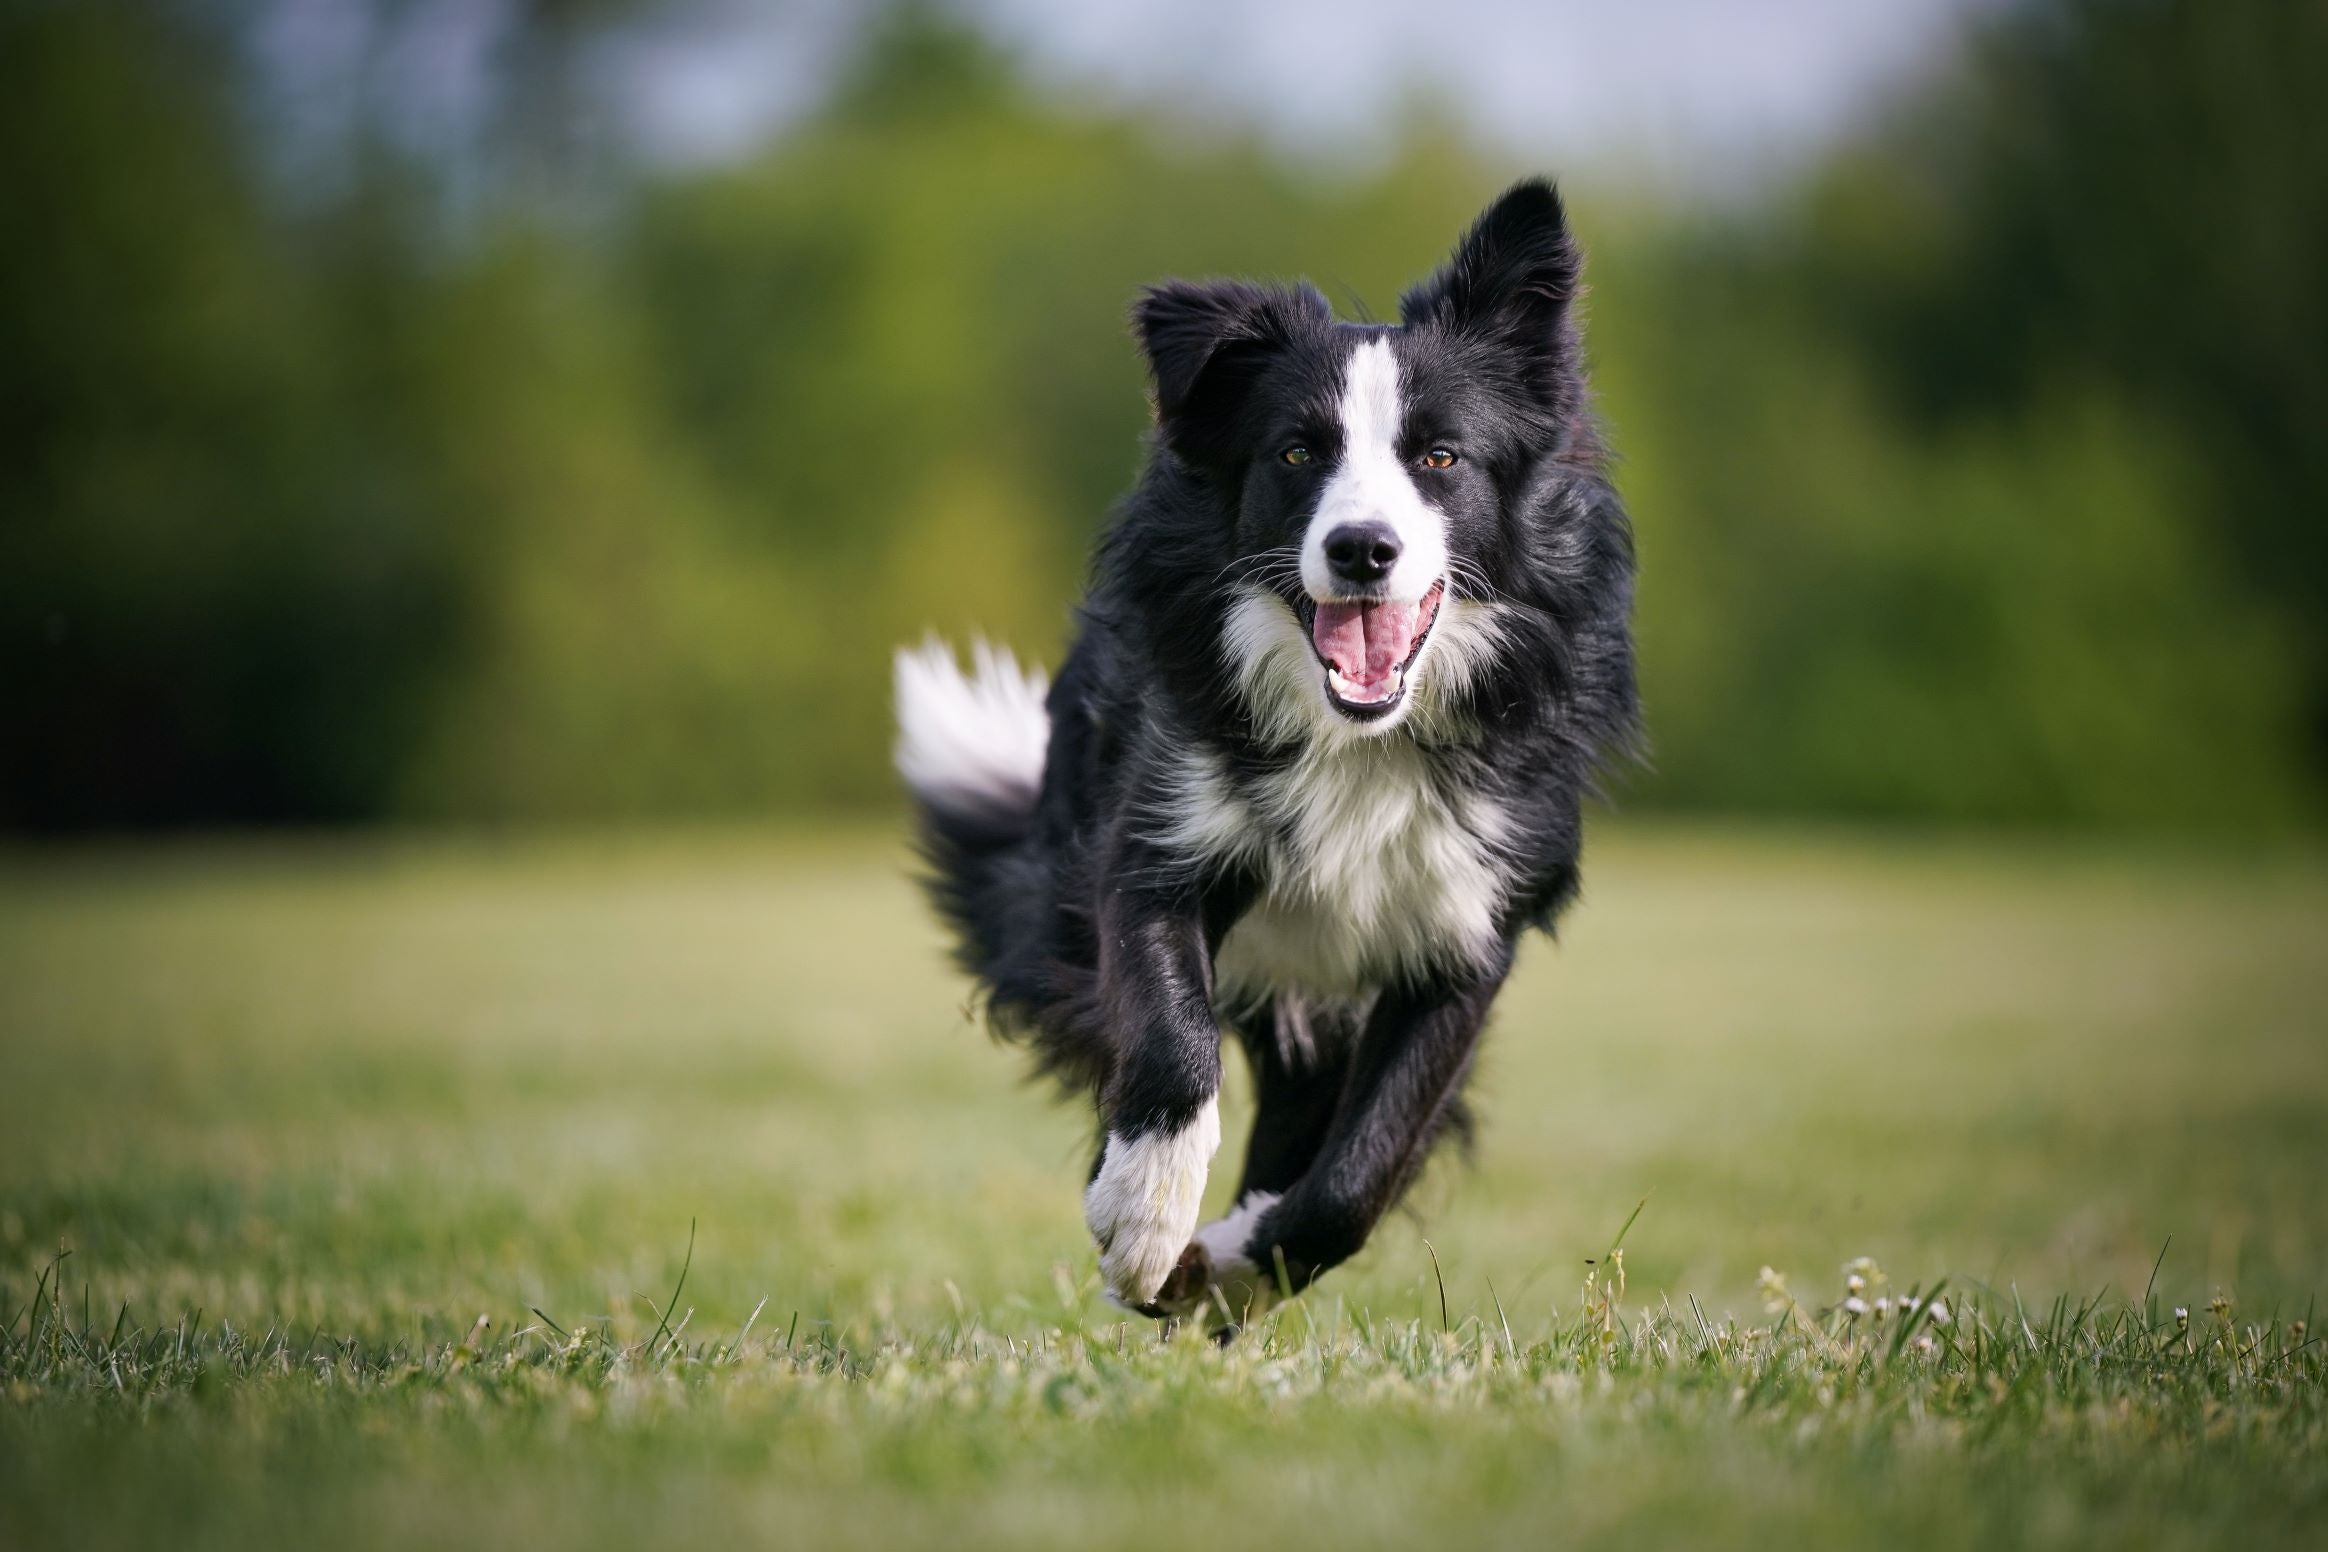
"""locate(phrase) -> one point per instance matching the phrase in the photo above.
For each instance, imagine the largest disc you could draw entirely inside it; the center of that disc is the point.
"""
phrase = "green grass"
(302, 1114)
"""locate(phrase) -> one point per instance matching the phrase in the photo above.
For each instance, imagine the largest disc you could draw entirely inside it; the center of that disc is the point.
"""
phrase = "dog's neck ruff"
(1371, 862)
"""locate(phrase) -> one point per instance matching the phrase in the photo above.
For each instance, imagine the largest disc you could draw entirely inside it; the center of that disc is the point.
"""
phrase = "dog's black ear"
(1512, 278)
(1206, 344)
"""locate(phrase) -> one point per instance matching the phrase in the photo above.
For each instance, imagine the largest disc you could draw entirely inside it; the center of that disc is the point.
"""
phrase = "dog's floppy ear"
(1512, 279)
(1206, 344)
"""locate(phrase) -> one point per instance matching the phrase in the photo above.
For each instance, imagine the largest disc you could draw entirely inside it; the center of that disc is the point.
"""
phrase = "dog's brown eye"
(1297, 455)
(1439, 458)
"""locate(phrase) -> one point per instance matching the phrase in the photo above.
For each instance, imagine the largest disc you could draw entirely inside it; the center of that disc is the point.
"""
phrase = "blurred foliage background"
(1979, 468)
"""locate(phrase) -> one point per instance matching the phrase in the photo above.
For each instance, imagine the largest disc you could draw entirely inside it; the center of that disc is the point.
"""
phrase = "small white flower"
(2182, 1314)
(1856, 1283)
(1855, 1306)
(1882, 1308)
(1939, 1313)
(1773, 1287)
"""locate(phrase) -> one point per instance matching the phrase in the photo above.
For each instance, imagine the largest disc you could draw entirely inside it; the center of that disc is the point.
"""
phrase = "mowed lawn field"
(377, 1164)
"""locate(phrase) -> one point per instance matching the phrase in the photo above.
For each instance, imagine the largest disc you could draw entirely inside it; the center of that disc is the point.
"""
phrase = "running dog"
(1354, 649)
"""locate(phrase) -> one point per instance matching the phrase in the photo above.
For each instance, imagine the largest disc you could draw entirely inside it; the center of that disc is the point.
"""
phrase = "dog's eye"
(1439, 458)
(1296, 455)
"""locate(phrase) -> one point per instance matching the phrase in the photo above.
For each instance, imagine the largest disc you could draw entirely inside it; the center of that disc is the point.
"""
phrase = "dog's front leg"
(1406, 1072)
(1161, 1106)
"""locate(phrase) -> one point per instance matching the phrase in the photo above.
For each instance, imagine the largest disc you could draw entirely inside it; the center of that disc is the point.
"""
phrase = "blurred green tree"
(1973, 477)
(224, 591)
(2130, 194)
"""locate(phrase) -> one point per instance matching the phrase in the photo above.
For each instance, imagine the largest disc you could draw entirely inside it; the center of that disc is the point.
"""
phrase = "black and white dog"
(1353, 649)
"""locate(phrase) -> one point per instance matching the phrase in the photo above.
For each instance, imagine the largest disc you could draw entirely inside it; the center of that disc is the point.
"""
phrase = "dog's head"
(1367, 466)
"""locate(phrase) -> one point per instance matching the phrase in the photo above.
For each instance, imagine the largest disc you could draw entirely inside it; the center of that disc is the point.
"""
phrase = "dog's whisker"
(1474, 580)
(1281, 555)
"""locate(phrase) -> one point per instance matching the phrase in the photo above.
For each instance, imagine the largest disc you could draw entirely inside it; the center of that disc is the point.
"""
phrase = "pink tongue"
(1367, 642)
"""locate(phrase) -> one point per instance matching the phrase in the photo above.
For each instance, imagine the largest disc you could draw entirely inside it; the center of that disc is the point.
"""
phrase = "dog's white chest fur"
(1369, 864)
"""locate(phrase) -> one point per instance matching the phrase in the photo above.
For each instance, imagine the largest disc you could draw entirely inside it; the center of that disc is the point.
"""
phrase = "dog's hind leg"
(1300, 1058)
(1401, 1094)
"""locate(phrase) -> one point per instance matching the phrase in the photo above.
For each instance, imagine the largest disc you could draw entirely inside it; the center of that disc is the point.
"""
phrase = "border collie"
(1352, 651)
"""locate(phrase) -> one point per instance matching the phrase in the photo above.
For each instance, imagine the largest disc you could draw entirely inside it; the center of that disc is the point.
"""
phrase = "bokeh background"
(554, 410)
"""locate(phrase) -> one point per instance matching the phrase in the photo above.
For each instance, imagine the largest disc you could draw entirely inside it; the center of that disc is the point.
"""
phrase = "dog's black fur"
(1188, 786)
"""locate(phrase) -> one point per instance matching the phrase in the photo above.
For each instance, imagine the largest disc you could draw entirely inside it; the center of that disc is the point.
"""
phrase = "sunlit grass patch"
(2079, 1394)
(1971, 1365)
(303, 1115)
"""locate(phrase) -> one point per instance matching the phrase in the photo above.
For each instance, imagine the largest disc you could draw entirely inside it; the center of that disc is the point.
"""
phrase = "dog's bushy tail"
(971, 749)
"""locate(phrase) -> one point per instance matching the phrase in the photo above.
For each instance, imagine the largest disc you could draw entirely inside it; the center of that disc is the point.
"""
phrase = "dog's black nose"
(1362, 552)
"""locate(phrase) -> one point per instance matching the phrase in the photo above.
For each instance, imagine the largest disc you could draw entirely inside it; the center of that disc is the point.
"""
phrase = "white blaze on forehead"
(1370, 400)
(1372, 483)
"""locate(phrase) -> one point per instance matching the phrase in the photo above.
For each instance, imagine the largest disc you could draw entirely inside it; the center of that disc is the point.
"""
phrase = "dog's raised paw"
(1142, 1205)
(1186, 1284)
(1235, 1288)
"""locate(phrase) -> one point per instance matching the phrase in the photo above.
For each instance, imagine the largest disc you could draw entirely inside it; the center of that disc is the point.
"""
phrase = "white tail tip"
(971, 742)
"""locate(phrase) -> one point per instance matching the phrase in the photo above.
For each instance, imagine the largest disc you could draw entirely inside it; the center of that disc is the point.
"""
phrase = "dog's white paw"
(1220, 1275)
(1142, 1205)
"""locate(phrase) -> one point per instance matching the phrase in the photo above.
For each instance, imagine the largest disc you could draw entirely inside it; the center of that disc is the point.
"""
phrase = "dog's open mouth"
(1367, 648)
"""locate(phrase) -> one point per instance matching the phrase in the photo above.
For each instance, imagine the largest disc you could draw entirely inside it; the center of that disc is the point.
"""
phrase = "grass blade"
(1442, 1280)
(664, 1324)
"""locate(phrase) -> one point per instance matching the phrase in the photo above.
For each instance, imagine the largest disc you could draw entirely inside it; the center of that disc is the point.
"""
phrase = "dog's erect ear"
(1206, 344)
(1512, 278)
